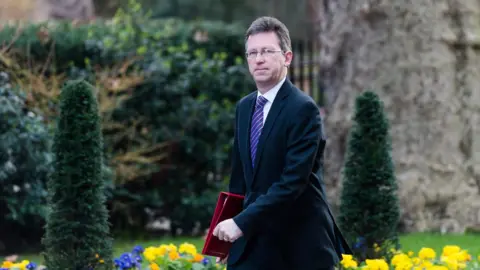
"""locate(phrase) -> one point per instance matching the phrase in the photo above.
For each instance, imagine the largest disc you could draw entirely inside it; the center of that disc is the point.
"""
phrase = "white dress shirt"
(270, 96)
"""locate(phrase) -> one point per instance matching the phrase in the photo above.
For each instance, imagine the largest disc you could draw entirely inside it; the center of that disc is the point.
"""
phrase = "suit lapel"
(275, 110)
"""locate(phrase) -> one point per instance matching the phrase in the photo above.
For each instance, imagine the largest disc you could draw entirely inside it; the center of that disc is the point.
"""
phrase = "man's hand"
(222, 260)
(227, 230)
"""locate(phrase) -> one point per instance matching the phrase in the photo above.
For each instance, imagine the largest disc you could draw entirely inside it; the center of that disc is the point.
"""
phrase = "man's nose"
(259, 58)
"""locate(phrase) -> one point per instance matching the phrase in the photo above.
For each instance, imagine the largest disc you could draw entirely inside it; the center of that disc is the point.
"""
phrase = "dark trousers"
(266, 254)
(261, 253)
(265, 267)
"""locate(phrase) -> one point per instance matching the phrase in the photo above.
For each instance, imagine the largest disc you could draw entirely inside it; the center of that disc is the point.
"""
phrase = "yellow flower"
(416, 260)
(154, 266)
(162, 250)
(404, 266)
(21, 265)
(426, 253)
(452, 263)
(7, 264)
(172, 247)
(410, 253)
(401, 259)
(165, 249)
(426, 264)
(376, 264)
(376, 247)
(197, 258)
(450, 249)
(438, 267)
(462, 256)
(188, 248)
(173, 255)
(150, 253)
(348, 261)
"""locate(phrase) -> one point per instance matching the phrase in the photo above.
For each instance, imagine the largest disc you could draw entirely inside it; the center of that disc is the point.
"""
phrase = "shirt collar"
(272, 93)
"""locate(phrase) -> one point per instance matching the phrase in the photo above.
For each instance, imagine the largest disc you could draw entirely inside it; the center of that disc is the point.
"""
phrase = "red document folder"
(228, 206)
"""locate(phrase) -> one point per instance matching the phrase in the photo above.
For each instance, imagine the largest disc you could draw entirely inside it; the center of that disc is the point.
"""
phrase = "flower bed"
(452, 258)
(183, 257)
(186, 257)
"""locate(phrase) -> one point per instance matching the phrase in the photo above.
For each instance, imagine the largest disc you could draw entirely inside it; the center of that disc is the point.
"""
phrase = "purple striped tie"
(257, 124)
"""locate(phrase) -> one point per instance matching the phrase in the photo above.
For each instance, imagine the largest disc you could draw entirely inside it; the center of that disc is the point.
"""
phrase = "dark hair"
(267, 24)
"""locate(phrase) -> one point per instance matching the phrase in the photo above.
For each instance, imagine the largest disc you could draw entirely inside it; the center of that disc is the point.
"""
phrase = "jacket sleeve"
(303, 139)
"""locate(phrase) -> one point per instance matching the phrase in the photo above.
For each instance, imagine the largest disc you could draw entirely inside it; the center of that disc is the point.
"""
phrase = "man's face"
(266, 61)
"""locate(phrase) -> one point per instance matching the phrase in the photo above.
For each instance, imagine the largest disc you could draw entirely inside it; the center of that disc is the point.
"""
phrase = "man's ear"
(288, 58)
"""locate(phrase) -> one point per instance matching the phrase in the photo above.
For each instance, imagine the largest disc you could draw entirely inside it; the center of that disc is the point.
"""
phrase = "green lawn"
(411, 242)
(416, 241)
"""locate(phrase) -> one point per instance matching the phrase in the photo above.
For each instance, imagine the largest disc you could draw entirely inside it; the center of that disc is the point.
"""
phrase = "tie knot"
(261, 101)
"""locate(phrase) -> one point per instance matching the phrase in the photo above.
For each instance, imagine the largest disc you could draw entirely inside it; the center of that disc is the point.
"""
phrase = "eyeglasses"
(264, 52)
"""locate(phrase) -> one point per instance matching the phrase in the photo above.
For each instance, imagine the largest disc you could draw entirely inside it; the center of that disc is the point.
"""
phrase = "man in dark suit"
(278, 148)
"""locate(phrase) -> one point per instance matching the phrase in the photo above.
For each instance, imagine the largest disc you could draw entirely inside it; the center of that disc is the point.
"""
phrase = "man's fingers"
(224, 233)
(224, 260)
(220, 234)
(226, 238)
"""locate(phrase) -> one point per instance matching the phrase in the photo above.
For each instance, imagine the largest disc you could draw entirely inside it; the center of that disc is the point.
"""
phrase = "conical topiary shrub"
(77, 230)
(369, 210)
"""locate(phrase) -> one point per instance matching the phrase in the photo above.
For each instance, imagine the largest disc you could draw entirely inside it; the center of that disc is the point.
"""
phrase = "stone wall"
(64, 9)
(16, 9)
(423, 59)
(42, 10)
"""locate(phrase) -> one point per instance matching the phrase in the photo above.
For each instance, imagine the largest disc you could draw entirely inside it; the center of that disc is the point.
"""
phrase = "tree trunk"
(422, 58)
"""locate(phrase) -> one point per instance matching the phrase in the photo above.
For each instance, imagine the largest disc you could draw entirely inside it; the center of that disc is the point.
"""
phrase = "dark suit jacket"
(285, 204)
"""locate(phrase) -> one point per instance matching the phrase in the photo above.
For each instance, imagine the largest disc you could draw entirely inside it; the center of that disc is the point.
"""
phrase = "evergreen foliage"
(25, 163)
(77, 230)
(369, 211)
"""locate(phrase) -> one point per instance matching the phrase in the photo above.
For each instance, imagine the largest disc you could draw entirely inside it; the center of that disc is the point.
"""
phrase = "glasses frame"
(263, 52)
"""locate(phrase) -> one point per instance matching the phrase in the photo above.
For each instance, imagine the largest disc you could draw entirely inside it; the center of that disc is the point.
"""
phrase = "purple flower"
(118, 263)
(31, 266)
(127, 261)
(138, 249)
(360, 243)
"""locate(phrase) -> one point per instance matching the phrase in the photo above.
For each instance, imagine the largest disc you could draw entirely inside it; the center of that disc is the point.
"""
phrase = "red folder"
(228, 206)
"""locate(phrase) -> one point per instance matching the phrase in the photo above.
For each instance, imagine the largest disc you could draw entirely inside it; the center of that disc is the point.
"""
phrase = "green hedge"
(166, 91)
